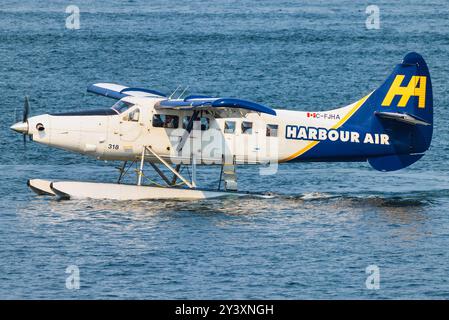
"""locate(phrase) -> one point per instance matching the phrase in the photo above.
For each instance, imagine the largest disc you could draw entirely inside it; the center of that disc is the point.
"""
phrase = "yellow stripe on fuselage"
(336, 126)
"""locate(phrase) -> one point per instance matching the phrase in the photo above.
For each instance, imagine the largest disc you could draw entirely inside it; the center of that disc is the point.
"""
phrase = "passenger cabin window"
(121, 106)
(229, 127)
(272, 130)
(247, 127)
(204, 123)
(165, 121)
(133, 116)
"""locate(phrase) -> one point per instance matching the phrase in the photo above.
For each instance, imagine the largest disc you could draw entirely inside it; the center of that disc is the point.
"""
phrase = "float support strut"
(140, 173)
(168, 167)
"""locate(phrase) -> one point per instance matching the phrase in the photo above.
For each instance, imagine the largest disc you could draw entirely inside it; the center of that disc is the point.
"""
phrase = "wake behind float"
(391, 128)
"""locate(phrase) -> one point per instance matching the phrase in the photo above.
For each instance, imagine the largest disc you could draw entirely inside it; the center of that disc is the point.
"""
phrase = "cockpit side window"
(133, 116)
(121, 106)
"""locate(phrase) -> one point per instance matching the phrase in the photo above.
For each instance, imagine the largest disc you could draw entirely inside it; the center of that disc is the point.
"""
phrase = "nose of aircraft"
(20, 127)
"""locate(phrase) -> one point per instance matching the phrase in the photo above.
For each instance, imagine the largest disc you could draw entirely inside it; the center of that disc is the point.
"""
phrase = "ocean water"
(327, 222)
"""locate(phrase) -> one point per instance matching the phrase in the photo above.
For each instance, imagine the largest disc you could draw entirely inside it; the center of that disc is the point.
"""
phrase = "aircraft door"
(202, 139)
(268, 143)
(131, 125)
(246, 142)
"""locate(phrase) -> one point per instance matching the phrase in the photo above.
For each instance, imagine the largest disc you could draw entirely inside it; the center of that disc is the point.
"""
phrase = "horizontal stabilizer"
(394, 162)
(402, 117)
(116, 91)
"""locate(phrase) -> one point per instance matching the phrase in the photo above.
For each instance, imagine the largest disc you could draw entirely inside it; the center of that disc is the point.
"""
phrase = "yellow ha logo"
(416, 87)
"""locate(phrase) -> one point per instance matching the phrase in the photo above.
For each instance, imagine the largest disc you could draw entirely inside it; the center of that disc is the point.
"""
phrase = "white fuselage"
(251, 137)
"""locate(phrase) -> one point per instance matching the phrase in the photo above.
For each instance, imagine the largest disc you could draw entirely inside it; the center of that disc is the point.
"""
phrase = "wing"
(116, 91)
(192, 102)
(209, 103)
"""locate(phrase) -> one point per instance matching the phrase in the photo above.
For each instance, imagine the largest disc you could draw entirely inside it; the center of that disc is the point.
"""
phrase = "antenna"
(183, 92)
(174, 92)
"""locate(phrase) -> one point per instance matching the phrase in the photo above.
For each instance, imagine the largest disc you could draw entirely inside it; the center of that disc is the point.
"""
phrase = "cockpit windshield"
(121, 106)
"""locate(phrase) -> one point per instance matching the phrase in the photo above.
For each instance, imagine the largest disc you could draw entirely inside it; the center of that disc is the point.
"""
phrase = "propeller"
(21, 126)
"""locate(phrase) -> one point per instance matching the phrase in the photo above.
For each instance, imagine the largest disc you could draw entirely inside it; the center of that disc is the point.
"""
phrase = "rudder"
(403, 107)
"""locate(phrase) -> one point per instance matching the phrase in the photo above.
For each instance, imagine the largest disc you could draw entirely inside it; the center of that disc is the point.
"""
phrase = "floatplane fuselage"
(254, 138)
(390, 128)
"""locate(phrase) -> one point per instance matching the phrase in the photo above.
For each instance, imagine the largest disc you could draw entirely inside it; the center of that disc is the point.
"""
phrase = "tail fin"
(403, 107)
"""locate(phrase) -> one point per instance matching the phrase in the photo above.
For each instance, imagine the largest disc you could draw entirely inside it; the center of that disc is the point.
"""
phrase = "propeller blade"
(26, 109)
(26, 113)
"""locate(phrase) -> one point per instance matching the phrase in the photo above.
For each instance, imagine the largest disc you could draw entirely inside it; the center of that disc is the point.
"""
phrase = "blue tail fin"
(403, 107)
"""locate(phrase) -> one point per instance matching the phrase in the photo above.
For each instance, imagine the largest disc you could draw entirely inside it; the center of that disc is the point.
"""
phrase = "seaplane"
(390, 128)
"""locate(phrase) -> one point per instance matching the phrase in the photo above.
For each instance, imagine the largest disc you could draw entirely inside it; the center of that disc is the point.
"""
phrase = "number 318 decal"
(113, 146)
